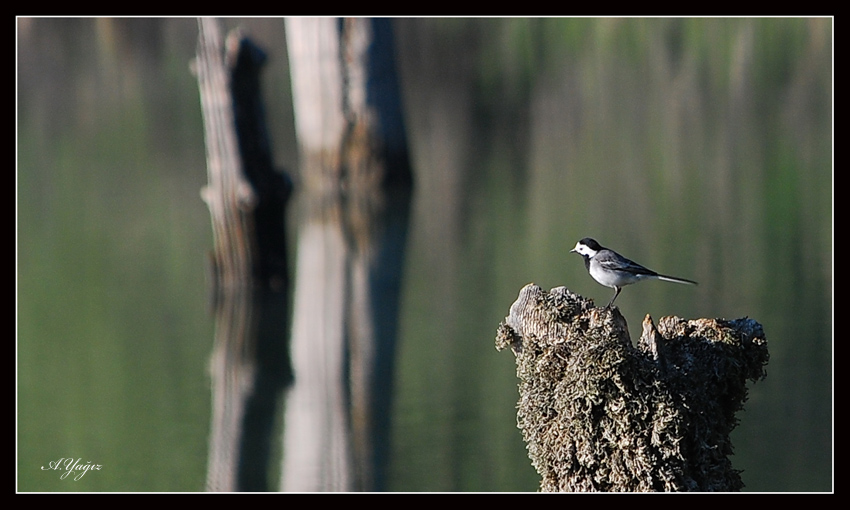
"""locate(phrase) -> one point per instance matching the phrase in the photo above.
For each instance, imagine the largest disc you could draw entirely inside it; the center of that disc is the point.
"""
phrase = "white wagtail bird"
(614, 270)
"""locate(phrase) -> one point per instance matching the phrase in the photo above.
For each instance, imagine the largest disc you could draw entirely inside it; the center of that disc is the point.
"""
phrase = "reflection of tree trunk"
(246, 198)
(600, 415)
(356, 178)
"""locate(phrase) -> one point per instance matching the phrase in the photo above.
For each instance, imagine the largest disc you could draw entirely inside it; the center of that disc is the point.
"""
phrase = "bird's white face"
(583, 249)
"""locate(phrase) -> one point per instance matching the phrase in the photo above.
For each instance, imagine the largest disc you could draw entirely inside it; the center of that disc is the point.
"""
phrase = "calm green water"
(702, 148)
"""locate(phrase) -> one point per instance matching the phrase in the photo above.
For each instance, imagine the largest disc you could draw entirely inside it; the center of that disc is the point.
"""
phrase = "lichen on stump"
(599, 414)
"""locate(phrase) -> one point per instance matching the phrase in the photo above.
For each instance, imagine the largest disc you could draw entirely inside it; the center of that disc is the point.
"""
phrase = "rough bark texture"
(598, 414)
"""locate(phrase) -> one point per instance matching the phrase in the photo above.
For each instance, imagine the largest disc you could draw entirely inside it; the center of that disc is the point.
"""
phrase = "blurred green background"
(700, 147)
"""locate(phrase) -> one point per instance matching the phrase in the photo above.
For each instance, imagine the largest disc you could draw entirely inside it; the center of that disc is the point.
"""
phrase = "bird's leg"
(616, 293)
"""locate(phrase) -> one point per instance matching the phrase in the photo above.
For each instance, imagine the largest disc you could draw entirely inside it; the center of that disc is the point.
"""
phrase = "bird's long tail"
(676, 280)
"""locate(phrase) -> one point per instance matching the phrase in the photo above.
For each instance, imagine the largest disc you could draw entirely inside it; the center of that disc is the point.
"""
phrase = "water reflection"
(336, 427)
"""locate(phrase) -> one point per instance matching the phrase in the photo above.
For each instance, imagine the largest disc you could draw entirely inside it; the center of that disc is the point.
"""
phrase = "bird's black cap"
(591, 243)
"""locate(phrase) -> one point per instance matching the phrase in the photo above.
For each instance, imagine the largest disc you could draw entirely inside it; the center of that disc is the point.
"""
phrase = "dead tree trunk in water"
(598, 414)
(247, 198)
(356, 186)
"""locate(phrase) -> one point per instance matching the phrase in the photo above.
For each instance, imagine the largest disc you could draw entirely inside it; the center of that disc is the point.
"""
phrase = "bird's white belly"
(613, 278)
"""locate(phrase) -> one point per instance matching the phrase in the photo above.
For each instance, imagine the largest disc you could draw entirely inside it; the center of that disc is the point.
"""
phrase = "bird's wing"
(616, 262)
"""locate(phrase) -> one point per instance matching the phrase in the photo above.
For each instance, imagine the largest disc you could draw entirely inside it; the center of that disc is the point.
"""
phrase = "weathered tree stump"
(598, 414)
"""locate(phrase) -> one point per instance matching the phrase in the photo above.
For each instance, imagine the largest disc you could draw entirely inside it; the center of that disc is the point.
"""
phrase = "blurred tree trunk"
(356, 185)
(247, 199)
